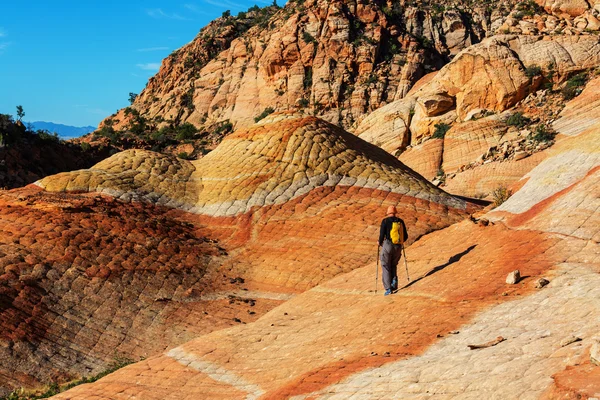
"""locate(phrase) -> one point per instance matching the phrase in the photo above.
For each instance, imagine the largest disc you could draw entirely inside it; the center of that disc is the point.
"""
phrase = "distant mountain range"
(64, 131)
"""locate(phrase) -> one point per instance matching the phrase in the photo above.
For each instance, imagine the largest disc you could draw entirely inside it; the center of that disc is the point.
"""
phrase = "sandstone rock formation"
(293, 201)
(249, 272)
(334, 59)
(299, 167)
(340, 340)
(488, 76)
(456, 127)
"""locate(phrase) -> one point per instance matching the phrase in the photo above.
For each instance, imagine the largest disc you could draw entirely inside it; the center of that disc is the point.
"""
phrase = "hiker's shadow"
(451, 260)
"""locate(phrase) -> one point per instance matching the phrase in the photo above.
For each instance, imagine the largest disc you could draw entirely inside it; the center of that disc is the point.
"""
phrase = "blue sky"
(75, 62)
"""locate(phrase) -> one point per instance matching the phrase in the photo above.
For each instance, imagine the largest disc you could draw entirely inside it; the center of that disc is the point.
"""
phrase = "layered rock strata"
(341, 340)
(293, 201)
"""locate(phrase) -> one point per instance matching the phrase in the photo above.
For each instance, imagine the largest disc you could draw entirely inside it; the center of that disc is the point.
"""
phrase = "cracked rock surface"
(340, 340)
(162, 250)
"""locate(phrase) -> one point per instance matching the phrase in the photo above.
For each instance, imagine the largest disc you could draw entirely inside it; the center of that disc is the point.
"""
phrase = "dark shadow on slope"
(451, 260)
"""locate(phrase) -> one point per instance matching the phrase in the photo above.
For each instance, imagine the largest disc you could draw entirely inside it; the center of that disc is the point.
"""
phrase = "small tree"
(186, 131)
(440, 130)
(20, 113)
(226, 14)
(267, 111)
(132, 97)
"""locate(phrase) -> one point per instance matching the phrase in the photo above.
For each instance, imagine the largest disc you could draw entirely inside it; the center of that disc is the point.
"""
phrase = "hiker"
(392, 236)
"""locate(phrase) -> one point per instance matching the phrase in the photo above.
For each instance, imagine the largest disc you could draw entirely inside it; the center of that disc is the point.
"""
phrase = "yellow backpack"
(397, 233)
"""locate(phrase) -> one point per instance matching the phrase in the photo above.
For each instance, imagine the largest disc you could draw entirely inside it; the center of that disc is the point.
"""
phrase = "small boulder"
(595, 352)
(436, 104)
(514, 277)
(569, 340)
(540, 283)
(519, 155)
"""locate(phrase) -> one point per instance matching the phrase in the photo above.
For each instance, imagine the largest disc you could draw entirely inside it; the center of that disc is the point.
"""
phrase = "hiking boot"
(395, 283)
(387, 292)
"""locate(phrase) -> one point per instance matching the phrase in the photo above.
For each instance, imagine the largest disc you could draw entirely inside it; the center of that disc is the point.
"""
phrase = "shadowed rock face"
(133, 267)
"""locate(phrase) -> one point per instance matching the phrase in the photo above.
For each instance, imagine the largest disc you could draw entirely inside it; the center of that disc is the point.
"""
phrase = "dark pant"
(390, 256)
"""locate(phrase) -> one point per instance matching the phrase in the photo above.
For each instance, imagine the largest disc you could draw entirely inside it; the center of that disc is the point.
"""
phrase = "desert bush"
(55, 388)
(518, 120)
(267, 111)
(47, 136)
(543, 134)
(440, 130)
(308, 38)
(533, 71)
(303, 103)
(185, 131)
(85, 146)
(573, 86)
(500, 195)
(224, 128)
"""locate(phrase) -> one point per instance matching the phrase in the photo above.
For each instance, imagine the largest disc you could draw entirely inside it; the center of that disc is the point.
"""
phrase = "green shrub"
(308, 38)
(132, 97)
(573, 86)
(161, 134)
(440, 130)
(224, 128)
(532, 71)
(543, 134)
(303, 103)
(424, 42)
(267, 111)
(187, 99)
(185, 131)
(528, 8)
(500, 195)
(307, 82)
(85, 146)
(108, 132)
(518, 120)
(54, 388)
(371, 79)
(47, 136)
(183, 155)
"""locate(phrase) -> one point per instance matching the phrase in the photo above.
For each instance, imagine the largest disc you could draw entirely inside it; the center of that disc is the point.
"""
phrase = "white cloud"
(159, 13)
(3, 45)
(224, 3)
(153, 49)
(193, 8)
(149, 66)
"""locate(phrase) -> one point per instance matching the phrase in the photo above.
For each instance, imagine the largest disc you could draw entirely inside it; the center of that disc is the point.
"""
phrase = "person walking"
(392, 235)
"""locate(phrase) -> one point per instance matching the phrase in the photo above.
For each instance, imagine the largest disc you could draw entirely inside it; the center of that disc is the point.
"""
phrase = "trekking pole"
(405, 262)
(377, 269)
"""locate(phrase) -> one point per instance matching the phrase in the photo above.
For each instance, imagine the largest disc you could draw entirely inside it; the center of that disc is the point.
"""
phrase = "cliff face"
(335, 59)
